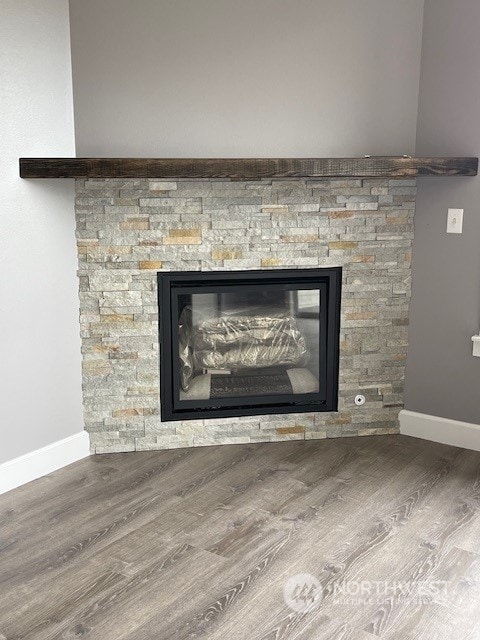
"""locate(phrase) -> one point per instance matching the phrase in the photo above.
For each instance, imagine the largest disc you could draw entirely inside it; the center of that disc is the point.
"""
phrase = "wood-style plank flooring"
(199, 543)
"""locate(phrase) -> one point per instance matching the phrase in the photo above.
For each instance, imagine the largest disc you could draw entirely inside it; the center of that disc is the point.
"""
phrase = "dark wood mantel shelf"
(247, 168)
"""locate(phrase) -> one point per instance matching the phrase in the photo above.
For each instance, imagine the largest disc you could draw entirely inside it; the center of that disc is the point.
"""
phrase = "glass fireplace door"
(243, 345)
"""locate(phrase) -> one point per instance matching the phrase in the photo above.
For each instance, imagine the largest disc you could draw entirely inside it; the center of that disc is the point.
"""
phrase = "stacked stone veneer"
(127, 230)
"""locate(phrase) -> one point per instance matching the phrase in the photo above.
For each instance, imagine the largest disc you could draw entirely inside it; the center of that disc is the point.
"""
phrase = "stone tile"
(129, 229)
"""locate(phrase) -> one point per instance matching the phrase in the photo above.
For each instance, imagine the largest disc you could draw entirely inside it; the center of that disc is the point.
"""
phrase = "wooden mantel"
(247, 168)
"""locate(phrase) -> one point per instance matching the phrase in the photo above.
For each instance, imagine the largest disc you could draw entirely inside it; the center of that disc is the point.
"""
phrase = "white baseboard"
(42, 461)
(444, 430)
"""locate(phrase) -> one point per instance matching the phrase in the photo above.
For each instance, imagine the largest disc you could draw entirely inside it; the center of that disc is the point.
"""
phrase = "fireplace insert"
(237, 343)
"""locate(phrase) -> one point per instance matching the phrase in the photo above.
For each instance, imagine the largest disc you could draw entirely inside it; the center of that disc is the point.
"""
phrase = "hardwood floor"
(199, 543)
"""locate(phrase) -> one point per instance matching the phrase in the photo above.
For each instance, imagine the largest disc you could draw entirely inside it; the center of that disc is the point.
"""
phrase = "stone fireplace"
(241, 343)
(128, 230)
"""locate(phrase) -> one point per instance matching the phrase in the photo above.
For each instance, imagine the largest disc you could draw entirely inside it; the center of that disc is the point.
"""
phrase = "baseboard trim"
(38, 463)
(444, 430)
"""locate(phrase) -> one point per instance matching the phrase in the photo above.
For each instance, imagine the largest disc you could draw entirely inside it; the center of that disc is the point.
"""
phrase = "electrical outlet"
(455, 221)
(476, 346)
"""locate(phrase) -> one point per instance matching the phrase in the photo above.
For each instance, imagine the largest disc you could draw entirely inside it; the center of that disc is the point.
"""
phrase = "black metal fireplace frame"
(174, 283)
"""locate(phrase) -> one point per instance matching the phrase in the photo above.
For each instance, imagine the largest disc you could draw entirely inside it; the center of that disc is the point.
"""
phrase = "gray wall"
(245, 78)
(443, 378)
(40, 367)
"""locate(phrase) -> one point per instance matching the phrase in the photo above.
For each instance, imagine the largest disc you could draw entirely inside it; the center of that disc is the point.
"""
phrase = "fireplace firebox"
(238, 343)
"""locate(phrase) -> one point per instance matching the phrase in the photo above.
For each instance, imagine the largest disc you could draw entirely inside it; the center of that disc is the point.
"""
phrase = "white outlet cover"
(455, 221)
(476, 346)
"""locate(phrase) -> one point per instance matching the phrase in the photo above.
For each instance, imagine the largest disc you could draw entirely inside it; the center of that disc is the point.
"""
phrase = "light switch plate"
(455, 221)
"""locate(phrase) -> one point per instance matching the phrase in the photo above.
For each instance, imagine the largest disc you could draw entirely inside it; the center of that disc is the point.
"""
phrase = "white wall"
(245, 77)
(40, 378)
